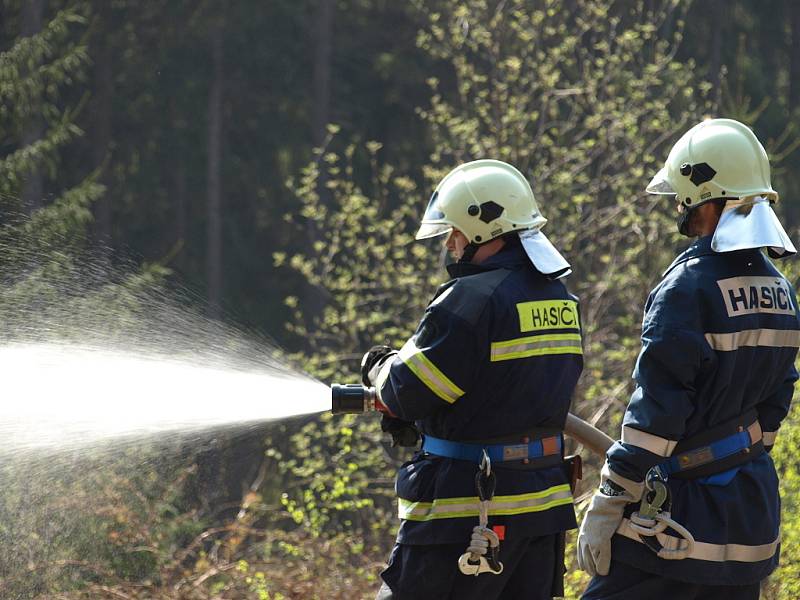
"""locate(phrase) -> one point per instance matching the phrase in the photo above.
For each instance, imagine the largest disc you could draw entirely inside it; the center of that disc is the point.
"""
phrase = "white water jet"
(62, 397)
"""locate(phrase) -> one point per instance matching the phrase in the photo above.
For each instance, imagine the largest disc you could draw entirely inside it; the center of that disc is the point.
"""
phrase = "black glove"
(376, 355)
(403, 432)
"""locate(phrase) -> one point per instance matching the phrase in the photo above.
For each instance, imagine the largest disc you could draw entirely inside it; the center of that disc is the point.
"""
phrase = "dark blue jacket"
(497, 354)
(719, 339)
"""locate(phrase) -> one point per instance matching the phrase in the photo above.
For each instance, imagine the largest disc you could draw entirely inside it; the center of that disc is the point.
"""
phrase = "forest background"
(268, 162)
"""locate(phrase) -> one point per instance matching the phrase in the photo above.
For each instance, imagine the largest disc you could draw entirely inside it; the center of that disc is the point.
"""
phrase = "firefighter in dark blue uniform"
(714, 380)
(487, 380)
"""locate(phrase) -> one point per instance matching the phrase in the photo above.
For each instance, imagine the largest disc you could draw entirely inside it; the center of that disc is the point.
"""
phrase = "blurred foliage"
(35, 74)
(584, 96)
(784, 584)
(585, 103)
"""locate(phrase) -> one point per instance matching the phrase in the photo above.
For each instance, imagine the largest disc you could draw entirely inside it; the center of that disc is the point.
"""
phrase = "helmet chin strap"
(469, 252)
(685, 218)
(683, 221)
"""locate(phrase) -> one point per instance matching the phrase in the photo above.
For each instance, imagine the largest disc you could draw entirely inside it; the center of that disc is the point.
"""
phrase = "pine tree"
(39, 77)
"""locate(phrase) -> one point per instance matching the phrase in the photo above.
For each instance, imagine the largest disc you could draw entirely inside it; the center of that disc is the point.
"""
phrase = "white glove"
(373, 361)
(602, 520)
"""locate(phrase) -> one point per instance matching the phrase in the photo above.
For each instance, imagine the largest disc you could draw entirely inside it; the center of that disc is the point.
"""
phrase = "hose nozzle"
(354, 398)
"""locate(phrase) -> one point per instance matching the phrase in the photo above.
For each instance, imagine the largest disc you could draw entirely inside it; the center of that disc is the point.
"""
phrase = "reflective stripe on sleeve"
(451, 508)
(383, 376)
(428, 373)
(537, 345)
(648, 441)
(706, 551)
(769, 437)
(772, 338)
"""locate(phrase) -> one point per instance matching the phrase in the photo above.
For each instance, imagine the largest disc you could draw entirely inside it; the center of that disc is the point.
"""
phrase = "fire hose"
(356, 398)
(649, 521)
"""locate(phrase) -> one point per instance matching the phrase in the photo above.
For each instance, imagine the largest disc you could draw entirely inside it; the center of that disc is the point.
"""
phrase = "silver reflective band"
(451, 508)
(537, 345)
(771, 338)
(383, 377)
(648, 441)
(428, 373)
(706, 551)
(769, 437)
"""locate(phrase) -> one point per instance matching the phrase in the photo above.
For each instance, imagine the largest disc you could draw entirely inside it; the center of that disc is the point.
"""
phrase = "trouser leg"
(431, 572)
(420, 572)
(385, 593)
(532, 577)
(625, 582)
(730, 592)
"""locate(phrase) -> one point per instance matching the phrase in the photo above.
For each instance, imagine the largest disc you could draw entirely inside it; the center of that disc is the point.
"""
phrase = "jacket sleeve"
(433, 369)
(773, 409)
(673, 354)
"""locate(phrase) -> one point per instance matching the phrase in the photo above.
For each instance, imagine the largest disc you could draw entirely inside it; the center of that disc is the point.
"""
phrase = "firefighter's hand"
(403, 432)
(598, 527)
(372, 361)
(602, 520)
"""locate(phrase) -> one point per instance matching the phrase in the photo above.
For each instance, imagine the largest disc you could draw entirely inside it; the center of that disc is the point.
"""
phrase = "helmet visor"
(429, 230)
(659, 184)
(433, 221)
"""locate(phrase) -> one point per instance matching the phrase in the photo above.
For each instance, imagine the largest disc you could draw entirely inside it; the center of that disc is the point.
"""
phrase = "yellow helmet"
(717, 158)
(483, 199)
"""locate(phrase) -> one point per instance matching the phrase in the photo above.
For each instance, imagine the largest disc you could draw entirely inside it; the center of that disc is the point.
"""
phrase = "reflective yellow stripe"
(428, 373)
(537, 345)
(706, 551)
(451, 508)
(648, 441)
(771, 338)
(542, 315)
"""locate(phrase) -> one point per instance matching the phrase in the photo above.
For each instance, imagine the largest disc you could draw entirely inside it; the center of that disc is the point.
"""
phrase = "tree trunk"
(323, 27)
(33, 188)
(177, 187)
(794, 68)
(101, 124)
(179, 200)
(214, 216)
(313, 297)
(718, 11)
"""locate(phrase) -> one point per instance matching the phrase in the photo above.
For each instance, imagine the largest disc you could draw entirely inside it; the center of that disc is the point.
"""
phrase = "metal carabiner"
(485, 480)
(470, 567)
(486, 463)
(656, 496)
(472, 562)
(652, 518)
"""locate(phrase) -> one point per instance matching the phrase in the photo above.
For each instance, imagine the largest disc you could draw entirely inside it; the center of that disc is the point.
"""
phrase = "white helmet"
(483, 199)
(723, 159)
(718, 158)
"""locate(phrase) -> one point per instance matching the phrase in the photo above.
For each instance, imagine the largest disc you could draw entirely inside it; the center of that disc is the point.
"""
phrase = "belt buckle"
(515, 452)
(696, 458)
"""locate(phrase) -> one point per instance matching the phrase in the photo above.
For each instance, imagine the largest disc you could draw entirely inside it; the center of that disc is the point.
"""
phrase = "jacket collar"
(700, 247)
(510, 257)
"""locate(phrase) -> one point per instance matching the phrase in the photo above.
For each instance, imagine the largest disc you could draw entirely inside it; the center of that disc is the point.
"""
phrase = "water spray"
(356, 398)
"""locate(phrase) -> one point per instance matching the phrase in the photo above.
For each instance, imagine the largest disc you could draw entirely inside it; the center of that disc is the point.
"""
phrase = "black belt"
(717, 449)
